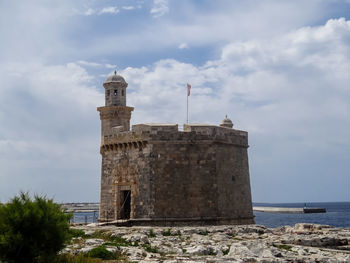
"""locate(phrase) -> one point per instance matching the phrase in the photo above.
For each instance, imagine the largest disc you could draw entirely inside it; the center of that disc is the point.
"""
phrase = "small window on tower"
(122, 92)
(108, 93)
(115, 92)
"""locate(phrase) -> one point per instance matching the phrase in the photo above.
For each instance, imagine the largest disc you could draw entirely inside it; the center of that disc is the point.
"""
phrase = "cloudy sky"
(279, 69)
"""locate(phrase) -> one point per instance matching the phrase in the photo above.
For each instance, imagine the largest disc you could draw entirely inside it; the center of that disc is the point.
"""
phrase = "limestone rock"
(94, 242)
(303, 243)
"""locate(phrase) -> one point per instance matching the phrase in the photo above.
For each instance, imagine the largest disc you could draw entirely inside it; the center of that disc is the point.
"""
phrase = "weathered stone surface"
(226, 243)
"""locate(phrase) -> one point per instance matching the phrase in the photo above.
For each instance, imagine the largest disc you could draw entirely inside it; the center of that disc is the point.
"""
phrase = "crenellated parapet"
(142, 134)
(192, 133)
(123, 141)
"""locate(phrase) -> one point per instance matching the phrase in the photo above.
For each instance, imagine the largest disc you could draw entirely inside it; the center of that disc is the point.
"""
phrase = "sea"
(337, 215)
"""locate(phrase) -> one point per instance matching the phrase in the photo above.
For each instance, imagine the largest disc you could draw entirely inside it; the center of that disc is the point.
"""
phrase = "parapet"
(155, 127)
(213, 130)
(192, 133)
(169, 133)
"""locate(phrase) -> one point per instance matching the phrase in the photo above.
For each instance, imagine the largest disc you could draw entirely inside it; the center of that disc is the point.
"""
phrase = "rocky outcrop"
(250, 243)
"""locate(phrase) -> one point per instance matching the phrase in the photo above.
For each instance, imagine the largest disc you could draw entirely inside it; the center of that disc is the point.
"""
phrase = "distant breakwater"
(292, 210)
(80, 207)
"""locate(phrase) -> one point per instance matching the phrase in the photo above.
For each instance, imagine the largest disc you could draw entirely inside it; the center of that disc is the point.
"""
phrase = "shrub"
(285, 247)
(151, 234)
(77, 233)
(204, 232)
(101, 252)
(32, 230)
(226, 251)
(166, 233)
(150, 249)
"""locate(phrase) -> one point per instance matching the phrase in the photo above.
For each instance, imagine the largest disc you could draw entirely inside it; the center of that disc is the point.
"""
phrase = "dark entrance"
(125, 204)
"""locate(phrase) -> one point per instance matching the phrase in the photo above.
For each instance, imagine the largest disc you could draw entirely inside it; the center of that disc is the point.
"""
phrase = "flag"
(188, 89)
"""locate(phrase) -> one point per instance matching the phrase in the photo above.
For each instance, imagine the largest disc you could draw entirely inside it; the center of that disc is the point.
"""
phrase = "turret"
(226, 123)
(115, 90)
(115, 115)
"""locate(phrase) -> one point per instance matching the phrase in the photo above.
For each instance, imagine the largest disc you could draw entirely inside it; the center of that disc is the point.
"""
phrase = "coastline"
(227, 243)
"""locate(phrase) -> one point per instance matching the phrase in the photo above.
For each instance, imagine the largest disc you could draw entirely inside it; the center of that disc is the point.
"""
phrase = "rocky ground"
(248, 243)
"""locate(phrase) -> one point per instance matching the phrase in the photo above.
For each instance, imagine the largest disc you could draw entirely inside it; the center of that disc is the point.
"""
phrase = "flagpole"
(187, 108)
(188, 94)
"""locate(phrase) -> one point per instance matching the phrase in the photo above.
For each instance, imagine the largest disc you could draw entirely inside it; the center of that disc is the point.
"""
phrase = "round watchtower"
(115, 90)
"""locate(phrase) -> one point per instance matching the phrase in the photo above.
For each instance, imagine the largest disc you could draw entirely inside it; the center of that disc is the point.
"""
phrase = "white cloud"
(89, 12)
(269, 73)
(50, 140)
(128, 7)
(290, 92)
(90, 64)
(183, 46)
(109, 10)
(233, 23)
(102, 11)
(159, 8)
(110, 66)
(96, 65)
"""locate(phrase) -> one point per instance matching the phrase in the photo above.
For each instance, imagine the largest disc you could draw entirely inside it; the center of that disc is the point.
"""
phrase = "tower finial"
(115, 72)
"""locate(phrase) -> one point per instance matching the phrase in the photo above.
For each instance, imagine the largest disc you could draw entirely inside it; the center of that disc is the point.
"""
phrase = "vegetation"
(204, 233)
(169, 233)
(151, 234)
(212, 252)
(285, 247)
(227, 250)
(77, 233)
(150, 249)
(101, 252)
(32, 229)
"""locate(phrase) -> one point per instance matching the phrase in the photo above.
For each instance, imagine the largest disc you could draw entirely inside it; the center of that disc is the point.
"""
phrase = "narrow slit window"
(122, 92)
(115, 92)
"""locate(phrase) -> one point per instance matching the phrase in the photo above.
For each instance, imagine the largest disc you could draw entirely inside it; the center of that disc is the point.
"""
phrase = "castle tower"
(156, 174)
(115, 120)
(115, 115)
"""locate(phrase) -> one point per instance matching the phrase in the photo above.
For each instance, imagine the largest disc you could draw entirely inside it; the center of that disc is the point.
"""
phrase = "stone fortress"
(158, 175)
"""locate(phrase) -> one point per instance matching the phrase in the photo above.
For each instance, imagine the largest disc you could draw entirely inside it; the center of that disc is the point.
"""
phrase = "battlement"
(155, 127)
(169, 133)
(192, 133)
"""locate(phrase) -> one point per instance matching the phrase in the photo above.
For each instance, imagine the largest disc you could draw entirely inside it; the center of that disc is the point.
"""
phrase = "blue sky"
(279, 69)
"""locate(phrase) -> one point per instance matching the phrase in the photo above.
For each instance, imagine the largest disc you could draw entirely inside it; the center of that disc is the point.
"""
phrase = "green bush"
(150, 249)
(167, 233)
(101, 252)
(77, 233)
(151, 234)
(32, 230)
